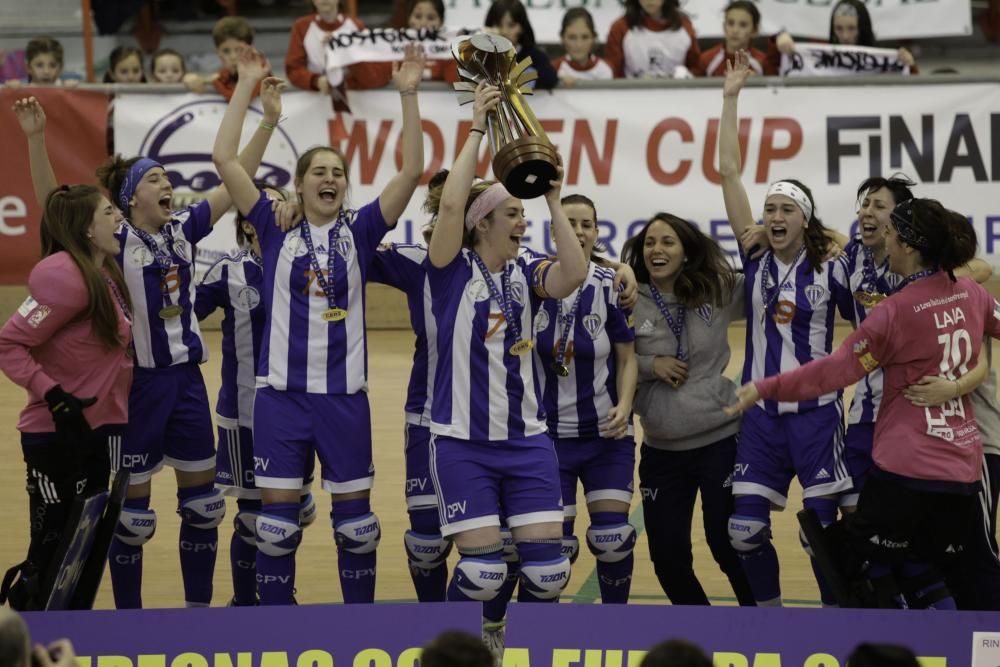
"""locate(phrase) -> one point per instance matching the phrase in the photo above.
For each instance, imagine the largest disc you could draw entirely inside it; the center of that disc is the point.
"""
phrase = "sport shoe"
(494, 634)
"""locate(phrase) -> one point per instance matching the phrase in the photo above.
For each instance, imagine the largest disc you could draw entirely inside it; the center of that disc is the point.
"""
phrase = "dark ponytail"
(112, 174)
(950, 238)
(432, 202)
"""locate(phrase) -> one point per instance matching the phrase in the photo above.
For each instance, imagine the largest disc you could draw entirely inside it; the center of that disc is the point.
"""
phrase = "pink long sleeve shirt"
(47, 343)
(931, 327)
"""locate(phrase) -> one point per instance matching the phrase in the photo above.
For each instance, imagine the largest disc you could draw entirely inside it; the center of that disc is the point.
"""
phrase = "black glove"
(67, 413)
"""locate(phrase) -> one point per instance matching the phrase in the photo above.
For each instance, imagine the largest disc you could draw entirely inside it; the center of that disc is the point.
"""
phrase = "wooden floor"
(389, 364)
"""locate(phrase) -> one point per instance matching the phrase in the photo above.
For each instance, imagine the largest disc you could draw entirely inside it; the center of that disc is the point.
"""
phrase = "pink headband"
(488, 200)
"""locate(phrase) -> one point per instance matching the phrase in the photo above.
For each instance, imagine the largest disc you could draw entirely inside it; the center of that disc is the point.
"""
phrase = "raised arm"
(31, 118)
(398, 191)
(446, 241)
(570, 268)
(252, 68)
(733, 193)
(236, 177)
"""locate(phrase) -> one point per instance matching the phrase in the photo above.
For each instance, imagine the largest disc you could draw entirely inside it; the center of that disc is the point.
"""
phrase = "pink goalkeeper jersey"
(47, 342)
(932, 326)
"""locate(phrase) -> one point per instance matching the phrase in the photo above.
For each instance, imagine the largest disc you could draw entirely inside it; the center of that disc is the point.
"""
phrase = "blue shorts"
(476, 480)
(169, 423)
(419, 487)
(773, 449)
(606, 468)
(858, 457)
(291, 428)
(234, 462)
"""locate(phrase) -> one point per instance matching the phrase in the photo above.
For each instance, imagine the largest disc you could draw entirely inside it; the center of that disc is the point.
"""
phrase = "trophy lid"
(484, 56)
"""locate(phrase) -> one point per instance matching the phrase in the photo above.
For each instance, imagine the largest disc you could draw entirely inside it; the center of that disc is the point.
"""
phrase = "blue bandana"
(132, 178)
(902, 221)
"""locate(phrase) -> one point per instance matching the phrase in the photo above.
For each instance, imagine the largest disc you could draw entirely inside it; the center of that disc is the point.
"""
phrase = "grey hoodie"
(690, 416)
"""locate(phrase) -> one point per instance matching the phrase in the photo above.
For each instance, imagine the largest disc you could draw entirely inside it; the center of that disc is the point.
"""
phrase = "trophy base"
(526, 166)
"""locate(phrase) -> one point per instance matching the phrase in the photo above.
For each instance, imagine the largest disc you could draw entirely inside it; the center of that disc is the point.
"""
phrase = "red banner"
(76, 133)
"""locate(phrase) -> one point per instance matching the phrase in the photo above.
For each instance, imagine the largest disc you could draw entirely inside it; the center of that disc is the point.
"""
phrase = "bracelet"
(404, 93)
(268, 126)
(476, 129)
(958, 388)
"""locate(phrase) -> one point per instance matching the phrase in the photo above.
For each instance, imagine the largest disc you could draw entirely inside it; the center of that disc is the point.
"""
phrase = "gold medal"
(562, 370)
(170, 312)
(869, 299)
(334, 314)
(521, 346)
(675, 383)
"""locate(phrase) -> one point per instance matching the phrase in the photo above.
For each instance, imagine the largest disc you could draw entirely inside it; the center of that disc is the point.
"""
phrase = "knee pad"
(509, 549)
(203, 511)
(135, 527)
(747, 533)
(480, 579)
(610, 544)
(277, 536)
(426, 552)
(547, 580)
(570, 548)
(307, 510)
(359, 535)
(245, 525)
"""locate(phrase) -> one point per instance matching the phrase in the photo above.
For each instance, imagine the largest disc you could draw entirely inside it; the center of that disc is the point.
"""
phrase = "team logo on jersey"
(26, 307)
(477, 290)
(517, 291)
(249, 297)
(814, 294)
(36, 313)
(182, 250)
(344, 246)
(592, 324)
(141, 256)
(705, 312)
(645, 329)
(542, 320)
(996, 309)
(296, 245)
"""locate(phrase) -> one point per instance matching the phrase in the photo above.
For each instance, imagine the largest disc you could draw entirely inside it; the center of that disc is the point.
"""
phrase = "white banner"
(387, 44)
(631, 153)
(831, 60)
(892, 19)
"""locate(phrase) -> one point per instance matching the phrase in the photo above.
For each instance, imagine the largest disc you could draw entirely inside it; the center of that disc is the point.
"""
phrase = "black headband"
(902, 222)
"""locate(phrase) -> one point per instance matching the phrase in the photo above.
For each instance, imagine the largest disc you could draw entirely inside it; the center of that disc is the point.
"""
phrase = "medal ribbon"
(676, 326)
(768, 295)
(163, 258)
(913, 278)
(503, 300)
(869, 271)
(325, 282)
(120, 299)
(568, 323)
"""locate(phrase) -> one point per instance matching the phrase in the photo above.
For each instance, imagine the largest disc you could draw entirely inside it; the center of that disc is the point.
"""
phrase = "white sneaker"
(494, 634)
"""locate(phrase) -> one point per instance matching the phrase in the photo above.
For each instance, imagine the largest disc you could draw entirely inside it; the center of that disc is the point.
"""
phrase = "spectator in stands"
(677, 653)
(430, 14)
(454, 648)
(16, 649)
(653, 40)
(44, 58)
(125, 66)
(167, 66)
(232, 36)
(850, 25)
(305, 62)
(578, 39)
(742, 20)
(509, 19)
(882, 655)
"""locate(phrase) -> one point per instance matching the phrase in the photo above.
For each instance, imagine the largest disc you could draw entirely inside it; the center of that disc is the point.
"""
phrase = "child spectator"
(578, 37)
(232, 36)
(125, 66)
(653, 40)
(740, 27)
(430, 14)
(509, 18)
(305, 62)
(44, 59)
(167, 66)
(851, 25)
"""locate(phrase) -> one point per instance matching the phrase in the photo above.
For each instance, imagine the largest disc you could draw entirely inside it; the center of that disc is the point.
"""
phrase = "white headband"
(844, 9)
(793, 192)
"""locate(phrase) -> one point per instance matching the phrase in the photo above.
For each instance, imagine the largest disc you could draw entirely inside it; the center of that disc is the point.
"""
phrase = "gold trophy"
(524, 159)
